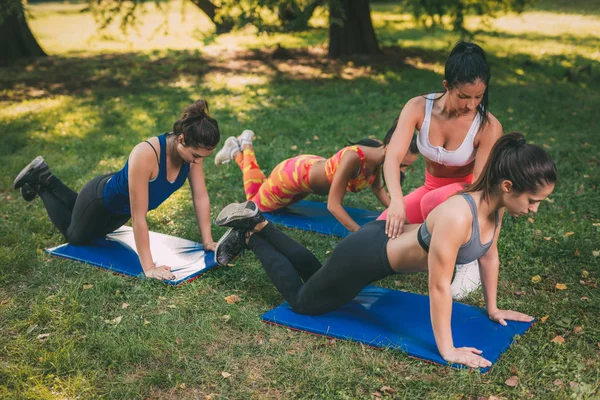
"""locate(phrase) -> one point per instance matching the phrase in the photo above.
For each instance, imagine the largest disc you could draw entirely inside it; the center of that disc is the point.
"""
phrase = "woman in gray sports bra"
(516, 178)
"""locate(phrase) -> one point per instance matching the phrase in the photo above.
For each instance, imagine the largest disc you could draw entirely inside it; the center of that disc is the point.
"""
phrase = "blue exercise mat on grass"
(117, 252)
(313, 216)
(387, 318)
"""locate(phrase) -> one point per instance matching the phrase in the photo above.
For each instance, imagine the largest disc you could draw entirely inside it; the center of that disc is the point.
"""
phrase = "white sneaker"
(246, 137)
(466, 280)
(225, 155)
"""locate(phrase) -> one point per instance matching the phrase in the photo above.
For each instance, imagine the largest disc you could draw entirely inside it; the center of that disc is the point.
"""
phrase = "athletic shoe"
(246, 137)
(29, 192)
(230, 246)
(35, 172)
(243, 216)
(466, 280)
(225, 155)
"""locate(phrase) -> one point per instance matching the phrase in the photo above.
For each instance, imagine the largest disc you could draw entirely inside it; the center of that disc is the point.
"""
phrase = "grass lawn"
(85, 107)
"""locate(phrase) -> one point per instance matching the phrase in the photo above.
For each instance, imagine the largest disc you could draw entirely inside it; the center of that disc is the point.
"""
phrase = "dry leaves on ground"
(234, 298)
(512, 381)
(558, 339)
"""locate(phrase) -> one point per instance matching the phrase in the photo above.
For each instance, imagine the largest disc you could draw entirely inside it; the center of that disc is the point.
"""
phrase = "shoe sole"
(227, 153)
(227, 233)
(39, 160)
(234, 212)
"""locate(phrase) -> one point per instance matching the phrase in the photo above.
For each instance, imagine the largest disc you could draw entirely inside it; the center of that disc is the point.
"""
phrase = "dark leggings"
(311, 288)
(80, 217)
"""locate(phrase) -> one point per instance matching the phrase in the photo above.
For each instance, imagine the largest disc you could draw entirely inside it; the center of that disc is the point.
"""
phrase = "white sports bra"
(462, 156)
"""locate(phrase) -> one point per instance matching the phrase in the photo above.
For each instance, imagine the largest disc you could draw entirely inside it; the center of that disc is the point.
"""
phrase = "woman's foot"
(466, 280)
(246, 138)
(230, 246)
(230, 147)
(243, 216)
(35, 173)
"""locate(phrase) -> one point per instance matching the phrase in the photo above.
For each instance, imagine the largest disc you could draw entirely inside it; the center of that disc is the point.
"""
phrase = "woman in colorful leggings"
(456, 132)
(353, 168)
(155, 169)
(516, 178)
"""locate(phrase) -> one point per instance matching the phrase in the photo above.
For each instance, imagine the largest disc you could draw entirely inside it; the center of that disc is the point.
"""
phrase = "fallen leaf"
(596, 253)
(182, 386)
(308, 142)
(171, 306)
(292, 352)
(294, 147)
(548, 238)
(547, 146)
(512, 381)
(377, 394)
(557, 382)
(272, 340)
(568, 234)
(87, 286)
(493, 398)
(536, 279)
(387, 390)
(561, 286)
(519, 293)
(544, 318)
(584, 298)
(225, 375)
(146, 322)
(585, 274)
(531, 220)
(234, 298)
(576, 253)
(124, 306)
(578, 330)
(225, 317)
(162, 298)
(315, 137)
(179, 341)
(596, 224)
(573, 384)
(328, 251)
(43, 336)
(115, 321)
(513, 370)
(538, 232)
(398, 283)
(558, 339)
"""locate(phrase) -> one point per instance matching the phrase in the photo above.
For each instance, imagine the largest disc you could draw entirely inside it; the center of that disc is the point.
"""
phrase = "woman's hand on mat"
(468, 356)
(501, 316)
(163, 272)
(394, 221)
(210, 246)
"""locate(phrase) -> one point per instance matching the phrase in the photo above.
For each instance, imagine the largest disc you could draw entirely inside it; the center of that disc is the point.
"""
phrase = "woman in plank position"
(155, 169)
(516, 178)
(456, 132)
(353, 168)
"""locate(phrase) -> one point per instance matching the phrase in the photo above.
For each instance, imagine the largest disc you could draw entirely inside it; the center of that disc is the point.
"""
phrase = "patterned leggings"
(287, 184)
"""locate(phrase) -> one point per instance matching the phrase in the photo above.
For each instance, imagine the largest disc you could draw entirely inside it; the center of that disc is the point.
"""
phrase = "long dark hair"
(467, 63)
(412, 147)
(197, 127)
(527, 166)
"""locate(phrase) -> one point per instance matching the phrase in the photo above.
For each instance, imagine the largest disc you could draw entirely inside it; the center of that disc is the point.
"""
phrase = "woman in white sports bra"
(456, 133)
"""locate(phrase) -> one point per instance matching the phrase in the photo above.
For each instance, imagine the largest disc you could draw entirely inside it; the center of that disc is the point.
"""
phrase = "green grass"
(88, 104)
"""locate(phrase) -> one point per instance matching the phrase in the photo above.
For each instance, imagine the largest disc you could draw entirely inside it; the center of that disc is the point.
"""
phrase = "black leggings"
(80, 217)
(311, 288)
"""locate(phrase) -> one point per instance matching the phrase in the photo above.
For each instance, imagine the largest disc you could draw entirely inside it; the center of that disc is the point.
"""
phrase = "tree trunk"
(16, 39)
(350, 28)
(223, 26)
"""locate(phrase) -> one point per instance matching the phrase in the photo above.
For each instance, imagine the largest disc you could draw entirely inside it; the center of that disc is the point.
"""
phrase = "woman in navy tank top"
(154, 170)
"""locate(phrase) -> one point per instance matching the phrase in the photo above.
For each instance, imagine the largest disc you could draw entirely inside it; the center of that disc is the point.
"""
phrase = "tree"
(350, 28)
(16, 39)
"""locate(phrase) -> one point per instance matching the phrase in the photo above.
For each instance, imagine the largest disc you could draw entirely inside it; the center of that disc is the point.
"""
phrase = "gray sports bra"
(470, 251)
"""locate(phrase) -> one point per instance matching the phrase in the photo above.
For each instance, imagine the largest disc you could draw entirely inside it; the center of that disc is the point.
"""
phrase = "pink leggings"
(435, 191)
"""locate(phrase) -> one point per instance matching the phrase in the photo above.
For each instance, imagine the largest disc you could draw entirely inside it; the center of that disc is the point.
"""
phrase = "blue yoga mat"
(387, 318)
(313, 216)
(117, 252)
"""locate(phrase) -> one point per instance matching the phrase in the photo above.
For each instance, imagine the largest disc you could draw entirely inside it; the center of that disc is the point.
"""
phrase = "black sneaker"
(230, 246)
(34, 173)
(243, 216)
(29, 192)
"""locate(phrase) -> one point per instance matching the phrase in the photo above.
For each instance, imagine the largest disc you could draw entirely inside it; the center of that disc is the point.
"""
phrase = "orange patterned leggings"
(287, 184)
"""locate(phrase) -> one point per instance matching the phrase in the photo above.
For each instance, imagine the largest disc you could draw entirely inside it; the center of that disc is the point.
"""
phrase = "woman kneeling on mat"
(155, 169)
(517, 177)
(353, 168)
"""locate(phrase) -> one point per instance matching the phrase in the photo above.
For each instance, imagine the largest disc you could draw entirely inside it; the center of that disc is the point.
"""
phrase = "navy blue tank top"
(470, 251)
(116, 191)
